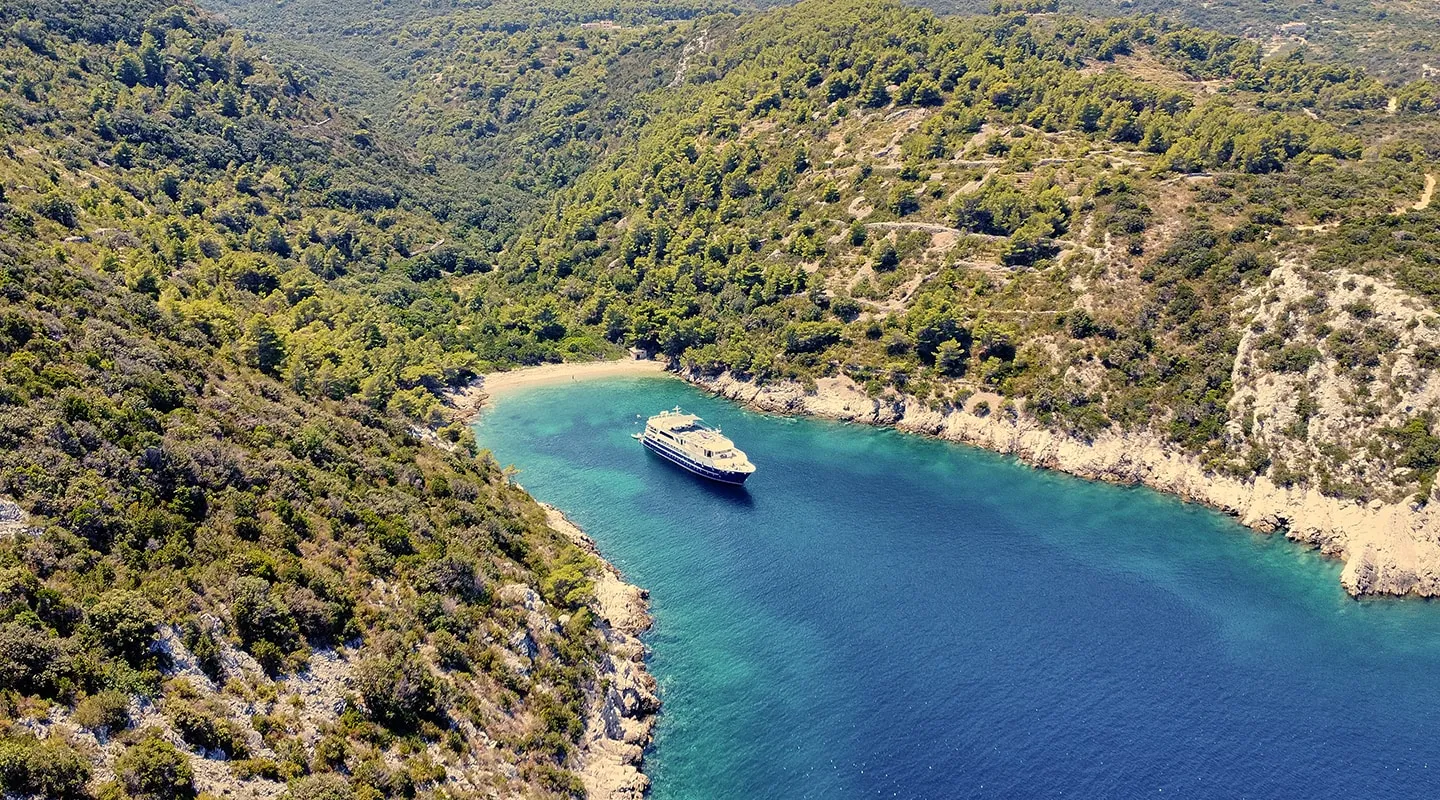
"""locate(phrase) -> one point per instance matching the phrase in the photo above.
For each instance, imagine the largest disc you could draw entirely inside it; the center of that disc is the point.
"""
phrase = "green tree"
(125, 624)
(129, 70)
(264, 347)
(951, 358)
(152, 63)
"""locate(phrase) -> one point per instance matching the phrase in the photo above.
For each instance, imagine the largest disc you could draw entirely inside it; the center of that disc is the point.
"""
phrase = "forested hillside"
(1076, 221)
(1397, 39)
(1068, 217)
(235, 292)
(503, 103)
(219, 382)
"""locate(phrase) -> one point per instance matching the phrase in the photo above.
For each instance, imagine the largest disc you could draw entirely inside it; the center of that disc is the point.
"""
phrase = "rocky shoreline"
(1388, 549)
(620, 703)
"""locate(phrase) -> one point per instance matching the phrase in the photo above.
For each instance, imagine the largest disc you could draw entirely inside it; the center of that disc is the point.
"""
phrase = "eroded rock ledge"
(621, 702)
(1388, 549)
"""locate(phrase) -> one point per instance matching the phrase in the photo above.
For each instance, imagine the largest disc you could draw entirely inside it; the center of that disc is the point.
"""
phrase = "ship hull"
(688, 464)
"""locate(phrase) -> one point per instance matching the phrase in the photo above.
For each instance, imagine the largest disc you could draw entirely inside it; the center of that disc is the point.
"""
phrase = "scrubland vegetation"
(233, 292)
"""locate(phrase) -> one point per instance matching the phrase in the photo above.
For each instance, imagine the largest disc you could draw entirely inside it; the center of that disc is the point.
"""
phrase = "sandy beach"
(470, 400)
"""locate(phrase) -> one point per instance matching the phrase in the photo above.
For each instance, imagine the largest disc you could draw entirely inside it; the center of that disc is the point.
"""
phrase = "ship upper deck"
(694, 430)
(700, 439)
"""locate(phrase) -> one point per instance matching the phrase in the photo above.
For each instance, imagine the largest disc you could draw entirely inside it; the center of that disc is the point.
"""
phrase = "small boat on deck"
(686, 441)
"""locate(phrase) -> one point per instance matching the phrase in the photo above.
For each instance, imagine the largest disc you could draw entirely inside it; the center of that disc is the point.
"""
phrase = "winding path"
(1426, 196)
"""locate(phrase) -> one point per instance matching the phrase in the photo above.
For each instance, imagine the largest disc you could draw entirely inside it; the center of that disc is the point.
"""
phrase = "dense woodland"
(239, 276)
(189, 251)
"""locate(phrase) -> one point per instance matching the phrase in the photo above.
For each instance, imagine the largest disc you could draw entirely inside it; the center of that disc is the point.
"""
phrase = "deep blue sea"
(881, 615)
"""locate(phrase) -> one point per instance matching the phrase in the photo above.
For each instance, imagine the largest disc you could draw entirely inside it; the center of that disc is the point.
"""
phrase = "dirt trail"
(926, 227)
(1426, 196)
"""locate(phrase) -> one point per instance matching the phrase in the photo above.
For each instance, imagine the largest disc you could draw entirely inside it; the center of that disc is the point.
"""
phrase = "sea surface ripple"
(881, 615)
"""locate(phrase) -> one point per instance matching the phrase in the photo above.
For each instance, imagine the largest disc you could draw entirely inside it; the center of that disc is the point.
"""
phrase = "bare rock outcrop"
(621, 702)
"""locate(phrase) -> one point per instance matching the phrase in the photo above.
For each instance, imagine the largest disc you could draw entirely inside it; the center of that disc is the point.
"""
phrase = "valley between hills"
(249, 252)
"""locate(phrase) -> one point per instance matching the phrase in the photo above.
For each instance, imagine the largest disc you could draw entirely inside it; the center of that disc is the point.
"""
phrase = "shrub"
(107, 712)
(330, 752)
(451, 576)
(811, 337)
(1415, 446)
(250, 768)
(902, 201)
(201, 728)
(319, 621)
(379, 777)
(46, 768)
(31, 661)
(449, 651)
(153, 769)
(845, 308)
(124, 623)
(1360, 309)
(1023, 249)
(1427, 356)
(319, 787)
(886, 258)
(265, 624)
(205, 649)
(557, 779)
(363, 197)
(1294, 358)
(399, 691)
(58, 208)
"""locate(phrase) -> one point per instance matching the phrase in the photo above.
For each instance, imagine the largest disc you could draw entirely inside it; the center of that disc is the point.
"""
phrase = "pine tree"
(264, 347)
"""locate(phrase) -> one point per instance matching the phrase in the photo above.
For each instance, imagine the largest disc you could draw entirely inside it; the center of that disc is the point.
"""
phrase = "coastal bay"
(880, 614)
(1385, 548)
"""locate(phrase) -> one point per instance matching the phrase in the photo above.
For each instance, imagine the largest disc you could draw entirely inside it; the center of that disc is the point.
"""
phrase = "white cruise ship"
(684, 440)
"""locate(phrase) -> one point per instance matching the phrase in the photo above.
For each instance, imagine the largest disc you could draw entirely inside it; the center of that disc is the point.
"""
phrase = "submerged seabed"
(880, 615)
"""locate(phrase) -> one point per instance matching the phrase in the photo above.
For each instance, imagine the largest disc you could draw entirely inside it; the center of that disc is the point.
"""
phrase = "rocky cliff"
(621, 702)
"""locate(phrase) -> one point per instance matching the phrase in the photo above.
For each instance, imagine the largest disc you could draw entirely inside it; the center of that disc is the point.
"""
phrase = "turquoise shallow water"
(879, 615)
